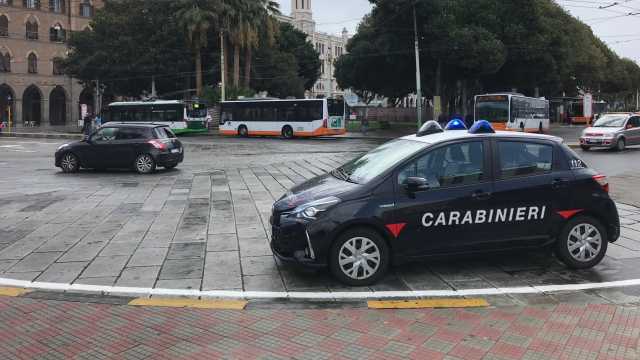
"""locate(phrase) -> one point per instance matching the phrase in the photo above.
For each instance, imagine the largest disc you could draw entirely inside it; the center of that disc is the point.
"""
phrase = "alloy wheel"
(585, 242)
(69, 162)
(359, 258)
(144, 164)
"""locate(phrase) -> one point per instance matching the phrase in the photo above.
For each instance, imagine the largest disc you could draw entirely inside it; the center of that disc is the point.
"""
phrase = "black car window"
(105, 134)
(634, 122)
(518, 158)
(452, 165)
(130, 134)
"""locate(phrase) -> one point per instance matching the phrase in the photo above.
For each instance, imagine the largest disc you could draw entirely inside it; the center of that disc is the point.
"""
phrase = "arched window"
(56, 6)
(5, 62)
(57, 66)
(4, 26)
(32, 29)
(86, 9)
(32, 62)
(57, 33)
(31, 4)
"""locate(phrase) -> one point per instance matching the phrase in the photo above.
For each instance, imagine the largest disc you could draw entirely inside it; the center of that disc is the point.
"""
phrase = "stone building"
(329, 46)
(33, 33)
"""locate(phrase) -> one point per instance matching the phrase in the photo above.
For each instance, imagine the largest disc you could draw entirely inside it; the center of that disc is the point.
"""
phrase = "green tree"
(197, 18)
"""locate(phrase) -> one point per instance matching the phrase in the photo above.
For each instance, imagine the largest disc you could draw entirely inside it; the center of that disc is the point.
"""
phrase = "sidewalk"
(32, 328)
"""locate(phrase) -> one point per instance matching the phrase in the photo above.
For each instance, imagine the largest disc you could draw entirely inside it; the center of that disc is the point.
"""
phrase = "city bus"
(181, 116)
(286, 118)
(513, 112)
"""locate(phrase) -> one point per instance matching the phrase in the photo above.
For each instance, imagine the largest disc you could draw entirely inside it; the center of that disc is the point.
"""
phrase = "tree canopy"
(132, 42)
(482, 45)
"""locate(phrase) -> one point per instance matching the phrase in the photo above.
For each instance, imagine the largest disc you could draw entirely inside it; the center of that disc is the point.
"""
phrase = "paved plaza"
(205, 226)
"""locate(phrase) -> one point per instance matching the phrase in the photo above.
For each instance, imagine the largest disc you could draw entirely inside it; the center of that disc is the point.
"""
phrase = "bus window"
(315, 110)
(157, 115)
(141, 115)
(226, 113)
(267, 112)
(171, 116)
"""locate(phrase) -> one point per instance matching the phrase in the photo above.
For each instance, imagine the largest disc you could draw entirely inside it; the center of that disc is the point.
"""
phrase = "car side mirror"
(416, 184)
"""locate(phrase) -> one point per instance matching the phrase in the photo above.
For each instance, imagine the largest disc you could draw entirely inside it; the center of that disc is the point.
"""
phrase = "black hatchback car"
(446, 193)
(142, 147)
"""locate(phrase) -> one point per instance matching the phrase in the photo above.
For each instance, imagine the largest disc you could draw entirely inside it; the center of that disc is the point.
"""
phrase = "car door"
(448, 215)
(124, 148)
(99, 153)
(632, 132)
(526, 191)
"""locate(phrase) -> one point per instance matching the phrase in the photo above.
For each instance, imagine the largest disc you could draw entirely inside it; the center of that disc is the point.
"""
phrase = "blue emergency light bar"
(481, 127)
(456, 124)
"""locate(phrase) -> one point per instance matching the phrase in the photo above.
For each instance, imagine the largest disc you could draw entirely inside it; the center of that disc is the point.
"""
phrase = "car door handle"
(560, 183)
(481, 195)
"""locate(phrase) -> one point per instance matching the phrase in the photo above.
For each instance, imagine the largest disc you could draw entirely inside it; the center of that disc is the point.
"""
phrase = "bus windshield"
(493, 111)
(197, 111)
(611, 121)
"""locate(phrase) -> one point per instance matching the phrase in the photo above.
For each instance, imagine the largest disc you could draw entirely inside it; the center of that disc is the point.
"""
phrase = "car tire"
(145, 164)
(621, 144)
(70, 163)
(582, 243)
(243, 131)
(585, 147)
(287, 132)
(349, 249)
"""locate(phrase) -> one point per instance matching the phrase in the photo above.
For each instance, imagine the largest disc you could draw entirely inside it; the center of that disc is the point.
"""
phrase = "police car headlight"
(312, 209)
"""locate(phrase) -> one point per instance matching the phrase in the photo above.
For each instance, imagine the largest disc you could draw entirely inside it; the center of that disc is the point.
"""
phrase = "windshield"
(493, 111)
(197, 111)
(376, 162)
(611, 121)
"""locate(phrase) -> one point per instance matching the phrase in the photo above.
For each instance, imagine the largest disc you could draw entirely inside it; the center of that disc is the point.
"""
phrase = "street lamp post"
(418, 80)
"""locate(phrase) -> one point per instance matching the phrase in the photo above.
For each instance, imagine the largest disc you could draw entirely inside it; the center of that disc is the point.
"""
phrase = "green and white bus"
(182, 117)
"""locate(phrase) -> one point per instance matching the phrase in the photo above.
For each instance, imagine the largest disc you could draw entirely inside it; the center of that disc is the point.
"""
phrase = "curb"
(41, 136)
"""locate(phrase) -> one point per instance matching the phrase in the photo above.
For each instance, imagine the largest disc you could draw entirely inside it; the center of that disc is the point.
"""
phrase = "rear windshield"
(165, 133)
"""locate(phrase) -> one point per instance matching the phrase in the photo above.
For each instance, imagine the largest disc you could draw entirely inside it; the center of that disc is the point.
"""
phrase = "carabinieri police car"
(444, 193)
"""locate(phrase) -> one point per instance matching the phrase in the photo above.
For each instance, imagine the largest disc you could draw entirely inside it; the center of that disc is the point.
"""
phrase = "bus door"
(336, 114)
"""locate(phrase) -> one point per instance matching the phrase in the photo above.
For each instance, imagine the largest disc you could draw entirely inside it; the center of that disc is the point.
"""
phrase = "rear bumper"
(169, 159)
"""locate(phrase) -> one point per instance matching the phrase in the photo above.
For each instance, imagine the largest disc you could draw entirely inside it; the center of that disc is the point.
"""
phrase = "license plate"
(174, 151)
(593, 141)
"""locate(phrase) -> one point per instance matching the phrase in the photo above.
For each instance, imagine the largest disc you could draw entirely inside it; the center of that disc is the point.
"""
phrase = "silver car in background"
(613, 131)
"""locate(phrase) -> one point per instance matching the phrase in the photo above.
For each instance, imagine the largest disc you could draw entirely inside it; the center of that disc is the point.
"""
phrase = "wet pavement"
(205, 224)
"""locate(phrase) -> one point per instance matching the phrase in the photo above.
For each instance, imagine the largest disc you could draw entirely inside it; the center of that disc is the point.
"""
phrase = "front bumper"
(597, 142)
(291, 243)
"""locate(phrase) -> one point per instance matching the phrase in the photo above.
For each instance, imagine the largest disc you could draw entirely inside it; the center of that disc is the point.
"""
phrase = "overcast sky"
(621, 33)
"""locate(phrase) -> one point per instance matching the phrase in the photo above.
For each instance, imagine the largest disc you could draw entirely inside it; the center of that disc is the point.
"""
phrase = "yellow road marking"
(13, 292)
(428, 303)
(190, 303)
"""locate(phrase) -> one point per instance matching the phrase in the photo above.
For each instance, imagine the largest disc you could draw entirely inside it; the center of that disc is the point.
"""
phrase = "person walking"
(2, 125)
(86, 126)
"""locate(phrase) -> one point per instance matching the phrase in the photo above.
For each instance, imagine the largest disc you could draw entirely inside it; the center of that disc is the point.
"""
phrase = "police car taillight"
(602, 181)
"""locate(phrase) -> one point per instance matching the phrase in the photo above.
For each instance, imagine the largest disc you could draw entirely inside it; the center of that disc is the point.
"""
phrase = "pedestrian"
(364, 125)
(2, 125)
(86, 126)
(468, 120)
(98, 121)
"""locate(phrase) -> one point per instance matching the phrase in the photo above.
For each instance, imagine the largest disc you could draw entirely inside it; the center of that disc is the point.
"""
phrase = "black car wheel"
(582, 243)
(287, 132)
(145, 164)
(621, 145)
(359, 257)
(243, 131)
(70, 163)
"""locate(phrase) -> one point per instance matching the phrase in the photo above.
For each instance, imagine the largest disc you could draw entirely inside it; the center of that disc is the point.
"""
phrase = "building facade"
(329, 46)
(33, 90)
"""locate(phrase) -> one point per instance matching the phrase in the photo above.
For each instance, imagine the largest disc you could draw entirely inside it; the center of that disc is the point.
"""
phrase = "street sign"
(588, 105)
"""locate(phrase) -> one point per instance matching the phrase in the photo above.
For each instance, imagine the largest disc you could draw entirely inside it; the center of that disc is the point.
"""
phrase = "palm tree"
(263, 12)
(196, 17)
